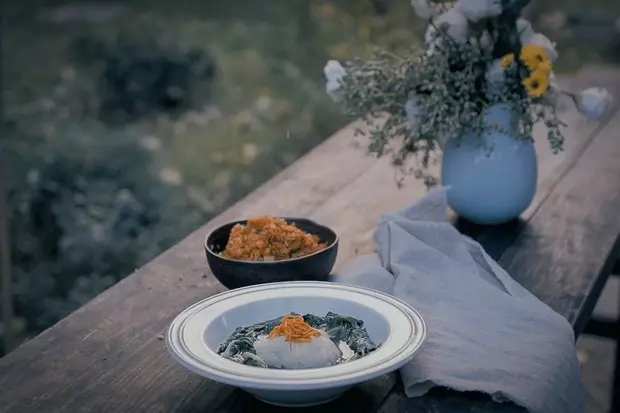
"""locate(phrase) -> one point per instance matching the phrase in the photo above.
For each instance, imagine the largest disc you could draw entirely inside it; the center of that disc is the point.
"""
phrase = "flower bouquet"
(483, 81)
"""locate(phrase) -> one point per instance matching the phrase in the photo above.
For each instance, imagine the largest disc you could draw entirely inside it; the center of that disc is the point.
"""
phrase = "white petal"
(423, 9)
(544, 42)
(332, 86)
(524, 28)
(594, 103)
(495, 73)
(475, 10)
(457, 22)
(429, 35)
(334, 72)
(457, 26)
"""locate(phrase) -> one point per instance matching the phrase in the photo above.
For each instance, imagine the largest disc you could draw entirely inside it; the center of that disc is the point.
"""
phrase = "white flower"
(594, 102)
(524, 28)
(457, 26)
(476, 10)
(423, 9)
(542, 41)
(334, 72)
(429, 35)
(412, 109)
(495, 75)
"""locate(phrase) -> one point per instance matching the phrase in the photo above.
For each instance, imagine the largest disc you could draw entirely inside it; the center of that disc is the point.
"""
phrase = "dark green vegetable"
(239, 347)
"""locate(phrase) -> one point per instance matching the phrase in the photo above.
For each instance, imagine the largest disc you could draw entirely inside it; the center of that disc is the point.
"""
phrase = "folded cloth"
(486, 333)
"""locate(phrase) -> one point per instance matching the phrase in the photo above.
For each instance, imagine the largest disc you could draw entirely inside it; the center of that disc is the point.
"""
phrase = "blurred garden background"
(126, 125)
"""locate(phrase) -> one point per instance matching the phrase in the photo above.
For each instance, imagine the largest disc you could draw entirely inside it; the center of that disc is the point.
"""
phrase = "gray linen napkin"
(485, 332)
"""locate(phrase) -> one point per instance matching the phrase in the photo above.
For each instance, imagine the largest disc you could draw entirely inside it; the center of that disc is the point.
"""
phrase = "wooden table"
(109, 356)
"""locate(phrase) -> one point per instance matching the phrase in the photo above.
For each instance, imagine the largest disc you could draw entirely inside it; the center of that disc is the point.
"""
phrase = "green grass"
(269, 92)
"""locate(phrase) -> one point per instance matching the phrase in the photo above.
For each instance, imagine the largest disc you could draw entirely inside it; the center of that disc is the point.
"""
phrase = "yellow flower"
(533, 55)
(537, 84)
(545, 66)
(508, 60)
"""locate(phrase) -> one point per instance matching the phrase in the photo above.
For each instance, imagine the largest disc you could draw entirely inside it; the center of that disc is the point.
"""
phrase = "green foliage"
(88, 206)
(87, 213)
(139, 74)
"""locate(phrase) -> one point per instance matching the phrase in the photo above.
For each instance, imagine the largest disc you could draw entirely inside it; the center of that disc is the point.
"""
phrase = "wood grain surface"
(109, 356)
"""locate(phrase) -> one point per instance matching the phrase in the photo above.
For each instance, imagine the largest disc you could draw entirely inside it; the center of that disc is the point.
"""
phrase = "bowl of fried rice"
(268, 249)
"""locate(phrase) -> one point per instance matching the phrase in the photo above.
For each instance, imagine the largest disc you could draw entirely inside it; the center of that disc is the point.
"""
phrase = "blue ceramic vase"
(491, 176)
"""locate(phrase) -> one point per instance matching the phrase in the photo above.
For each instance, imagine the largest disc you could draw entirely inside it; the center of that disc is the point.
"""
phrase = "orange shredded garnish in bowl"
(295, 329)
(270, 239)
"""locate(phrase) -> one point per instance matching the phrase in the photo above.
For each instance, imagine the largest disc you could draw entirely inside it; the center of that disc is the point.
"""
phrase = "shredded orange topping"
(270, 239)
(295, 329)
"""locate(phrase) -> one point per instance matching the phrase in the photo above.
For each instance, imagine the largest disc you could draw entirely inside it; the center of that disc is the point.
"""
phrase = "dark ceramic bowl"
(236, 273)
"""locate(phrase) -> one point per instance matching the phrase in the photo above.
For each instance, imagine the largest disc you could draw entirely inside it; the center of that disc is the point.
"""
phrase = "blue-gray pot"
(491, 176)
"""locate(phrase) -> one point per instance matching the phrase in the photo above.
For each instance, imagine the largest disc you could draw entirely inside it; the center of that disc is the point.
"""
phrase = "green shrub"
(87, 212)
(138, 75)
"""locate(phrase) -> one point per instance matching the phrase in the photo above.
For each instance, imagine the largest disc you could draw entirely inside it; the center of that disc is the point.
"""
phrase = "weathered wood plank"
(312, 180)
(568, 241)
(109, 356)
(362, 399)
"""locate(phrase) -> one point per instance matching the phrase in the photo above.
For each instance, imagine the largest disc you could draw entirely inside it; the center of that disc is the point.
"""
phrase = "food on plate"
(299, 342)
(294, 344)
(270, 239)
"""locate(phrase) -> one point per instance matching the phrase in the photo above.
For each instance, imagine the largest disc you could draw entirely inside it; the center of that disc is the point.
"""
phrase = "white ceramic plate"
(195, 335)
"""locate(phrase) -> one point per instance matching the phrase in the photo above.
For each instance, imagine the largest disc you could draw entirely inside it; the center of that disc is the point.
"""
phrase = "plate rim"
(178, 349)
